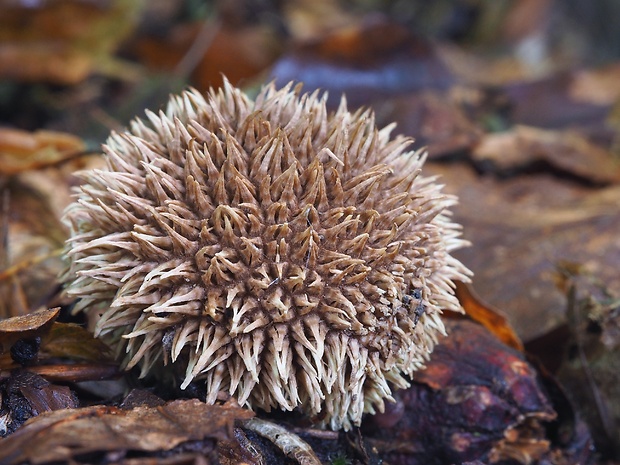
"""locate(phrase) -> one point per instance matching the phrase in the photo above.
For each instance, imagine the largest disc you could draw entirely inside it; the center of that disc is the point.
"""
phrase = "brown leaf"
(239, 450)
(597, 86)
(591, 364)
(565, 151)
(28, 326)
(22, 150)
(474, 393)
(549, 103)
(40, 394)
(61, 41)
(64, 434)
(76, 372)
(521, 228)
(235, 52)
(24, 395)
(433, 120)
(74, 342)
(30, 260)
(490, 318)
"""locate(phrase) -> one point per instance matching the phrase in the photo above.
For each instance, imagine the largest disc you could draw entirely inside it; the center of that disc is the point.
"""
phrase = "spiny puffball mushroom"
(288, 256)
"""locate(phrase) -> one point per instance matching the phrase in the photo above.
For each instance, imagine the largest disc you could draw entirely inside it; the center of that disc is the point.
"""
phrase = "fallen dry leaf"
(239, 53)
(23, 151)
(67, 340)
(76, 372)
(523, 148)
(597, 86)
(521, 228)
(433, 119)
(24, 395)
(494, 321)
(34, 194)
(28, 326)
(591, 364)
(35, 338)
(548, 103)
(30, 251)
(65, 435)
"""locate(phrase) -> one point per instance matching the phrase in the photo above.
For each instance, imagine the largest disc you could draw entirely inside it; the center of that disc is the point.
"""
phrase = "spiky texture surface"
(291, 257)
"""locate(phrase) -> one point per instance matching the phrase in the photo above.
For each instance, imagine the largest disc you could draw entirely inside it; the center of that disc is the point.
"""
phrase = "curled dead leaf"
(490, 318)
(28, 326)
(565, 151)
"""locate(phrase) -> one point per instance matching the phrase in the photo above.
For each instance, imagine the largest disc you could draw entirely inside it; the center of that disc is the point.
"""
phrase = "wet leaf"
(475, 395)
(67, 434)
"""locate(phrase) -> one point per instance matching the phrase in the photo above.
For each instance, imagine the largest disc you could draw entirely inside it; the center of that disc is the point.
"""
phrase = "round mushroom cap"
(288, 256)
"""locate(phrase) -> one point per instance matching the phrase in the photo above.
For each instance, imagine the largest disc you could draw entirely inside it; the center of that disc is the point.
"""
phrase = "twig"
(291, 444)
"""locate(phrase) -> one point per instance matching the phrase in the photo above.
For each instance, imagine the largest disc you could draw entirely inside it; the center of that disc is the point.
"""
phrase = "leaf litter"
(533, 160)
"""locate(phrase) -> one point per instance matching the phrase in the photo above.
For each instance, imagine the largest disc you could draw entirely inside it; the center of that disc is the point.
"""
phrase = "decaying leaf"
(35, 338)
(75, 342)
(24, 395)
(28, 326)
(434, 120)
(598, 86)
(567, 151)
(521, 227)
(476, 395)
(234, 52)
(30, 249)
(289, 443)
(492, 319)
(591, 367)
(35, 191)
(66, 435)
(76, 372)
(375, 59)
(551, 103)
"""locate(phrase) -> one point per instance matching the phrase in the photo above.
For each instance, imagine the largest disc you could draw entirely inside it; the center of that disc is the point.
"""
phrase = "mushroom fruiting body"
(288, 256)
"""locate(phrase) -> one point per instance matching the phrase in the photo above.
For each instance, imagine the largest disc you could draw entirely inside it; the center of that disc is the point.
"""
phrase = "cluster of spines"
(272, 246)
